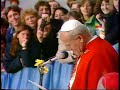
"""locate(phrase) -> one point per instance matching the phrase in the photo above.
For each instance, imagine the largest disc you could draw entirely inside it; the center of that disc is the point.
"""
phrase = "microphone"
(62, 55)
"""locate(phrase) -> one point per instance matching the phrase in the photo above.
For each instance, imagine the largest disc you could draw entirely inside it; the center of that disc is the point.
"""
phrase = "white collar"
(94, 37)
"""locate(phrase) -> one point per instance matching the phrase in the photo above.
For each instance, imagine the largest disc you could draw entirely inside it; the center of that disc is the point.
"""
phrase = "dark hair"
(4, 23)
(64, 10)
(44, 22)
(42, 3)
(92, 3)
(97, 7)
(4, 26)
(74, 14)
(13, 8)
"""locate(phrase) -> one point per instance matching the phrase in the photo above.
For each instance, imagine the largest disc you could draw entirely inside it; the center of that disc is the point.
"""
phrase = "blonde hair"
(112, 8)
(29, 12)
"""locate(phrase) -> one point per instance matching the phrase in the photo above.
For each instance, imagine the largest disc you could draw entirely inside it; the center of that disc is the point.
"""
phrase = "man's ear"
(81, 38)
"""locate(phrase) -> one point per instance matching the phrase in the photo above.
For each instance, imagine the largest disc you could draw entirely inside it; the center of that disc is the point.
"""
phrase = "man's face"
(43, 10)
(13, 18)
(73, 44)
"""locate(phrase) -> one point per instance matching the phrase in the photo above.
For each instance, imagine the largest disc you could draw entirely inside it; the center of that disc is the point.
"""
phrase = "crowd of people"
(88, 32)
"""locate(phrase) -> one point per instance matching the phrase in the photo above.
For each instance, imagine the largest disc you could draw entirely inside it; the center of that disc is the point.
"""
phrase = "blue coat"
(13, 64)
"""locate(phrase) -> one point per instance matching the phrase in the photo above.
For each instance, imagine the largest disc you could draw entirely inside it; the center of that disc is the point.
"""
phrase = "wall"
(30, 3)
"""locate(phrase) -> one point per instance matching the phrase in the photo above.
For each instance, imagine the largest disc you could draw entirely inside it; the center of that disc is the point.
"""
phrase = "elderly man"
(95, 56)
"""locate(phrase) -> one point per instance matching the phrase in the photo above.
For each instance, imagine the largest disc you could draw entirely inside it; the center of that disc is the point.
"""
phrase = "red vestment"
(98, 59)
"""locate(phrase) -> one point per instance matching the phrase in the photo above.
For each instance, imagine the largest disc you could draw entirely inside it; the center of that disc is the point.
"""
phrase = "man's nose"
(44, 11)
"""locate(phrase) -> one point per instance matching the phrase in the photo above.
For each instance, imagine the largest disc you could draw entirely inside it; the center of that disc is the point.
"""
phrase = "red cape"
(99, 58)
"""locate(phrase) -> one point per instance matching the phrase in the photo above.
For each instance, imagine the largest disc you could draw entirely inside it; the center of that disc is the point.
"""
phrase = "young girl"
(19, 64)
(16, 55)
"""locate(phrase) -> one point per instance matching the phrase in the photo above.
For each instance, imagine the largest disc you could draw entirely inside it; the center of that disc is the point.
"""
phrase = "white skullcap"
(70, 25)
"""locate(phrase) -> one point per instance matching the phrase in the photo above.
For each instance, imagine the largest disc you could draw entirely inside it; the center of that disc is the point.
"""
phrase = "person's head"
(75, 6)
(86, 7)
(22, 34)
(53, 5)
(43, 29)
(43, 7)
(102, 6)
(14, 2)
(105, 6)
(30, 17)
(69, 2)
(73, 15)
(114, 5)
(60, 13)
(75, 36)
(13, 15)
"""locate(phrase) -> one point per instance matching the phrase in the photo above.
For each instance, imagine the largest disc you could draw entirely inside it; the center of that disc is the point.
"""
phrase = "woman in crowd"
(18, 62)
(53, 5)
(88, 17)
(107, 14)
(60, 13)
(45, 45)
(102, 12)
(17, 55)
(30, 17)
(112, 31)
